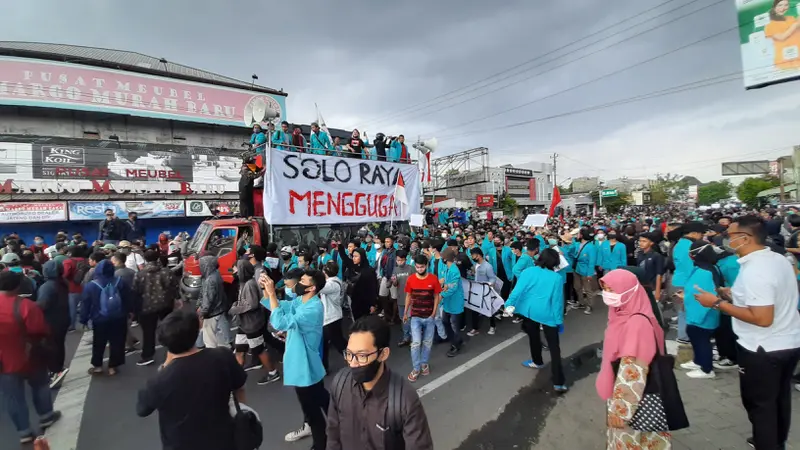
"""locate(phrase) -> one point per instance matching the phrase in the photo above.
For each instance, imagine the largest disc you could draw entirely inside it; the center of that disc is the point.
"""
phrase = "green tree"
(668, 188)
(750, 187)
(713, 192)
(508, 205)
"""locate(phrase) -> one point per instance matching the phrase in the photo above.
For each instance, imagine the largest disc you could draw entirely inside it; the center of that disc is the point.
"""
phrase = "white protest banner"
(303, 189)
(535, 220)
(481, 298)
(417, 220)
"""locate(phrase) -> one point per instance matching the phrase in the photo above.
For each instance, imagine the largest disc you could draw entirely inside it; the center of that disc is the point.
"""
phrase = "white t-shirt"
(767, 279)
(134, 261)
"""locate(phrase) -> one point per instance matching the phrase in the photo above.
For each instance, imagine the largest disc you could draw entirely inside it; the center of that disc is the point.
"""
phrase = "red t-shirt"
(422, 294)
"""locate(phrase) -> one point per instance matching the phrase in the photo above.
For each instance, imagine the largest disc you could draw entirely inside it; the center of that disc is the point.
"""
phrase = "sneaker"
(453, 351)
(27, 439)
(55, 417)
(412, 377)
(560, 389)
(491, 331)
(576, 306)
(690, 365)
(130, 351)
(699, 374)
(463, 328)
(751, 442)
(797, 387)
(517, 320)
(426, 370)
(57, 377)
(381, 315)
(145, 362)
(683, 341)
(404, 343)
(473, 333)
(252, 365)
(674, 319)
(725, 364)
(296, 435)
(531, 365)
(269, 378)
(134, 324)
(588, 311)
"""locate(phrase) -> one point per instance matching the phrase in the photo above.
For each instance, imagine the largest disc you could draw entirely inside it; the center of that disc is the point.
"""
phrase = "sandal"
(412, 377)
(426, 370)
(112, 371)
(95, 371)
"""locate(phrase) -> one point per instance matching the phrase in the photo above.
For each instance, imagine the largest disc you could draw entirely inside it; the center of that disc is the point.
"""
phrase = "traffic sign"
(608, 193)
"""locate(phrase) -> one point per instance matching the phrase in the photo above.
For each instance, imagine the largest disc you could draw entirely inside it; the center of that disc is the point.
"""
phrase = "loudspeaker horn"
(427, 146)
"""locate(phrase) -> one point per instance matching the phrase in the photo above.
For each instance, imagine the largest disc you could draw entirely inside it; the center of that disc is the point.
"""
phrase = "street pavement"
(482, 399)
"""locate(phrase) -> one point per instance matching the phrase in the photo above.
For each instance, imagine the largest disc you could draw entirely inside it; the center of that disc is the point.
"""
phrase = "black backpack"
(248, 432)
(81, 269)
(394, 415)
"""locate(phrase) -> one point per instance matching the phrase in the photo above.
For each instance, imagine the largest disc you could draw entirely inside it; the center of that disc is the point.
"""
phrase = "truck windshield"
(203, 231)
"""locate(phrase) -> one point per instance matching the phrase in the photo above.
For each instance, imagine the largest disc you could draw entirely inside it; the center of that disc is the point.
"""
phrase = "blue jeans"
(74, 299)
(12, 393)
(440, 325)
(422, 330)
(682, 334)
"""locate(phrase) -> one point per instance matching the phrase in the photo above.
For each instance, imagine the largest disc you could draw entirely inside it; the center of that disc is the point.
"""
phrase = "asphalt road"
(481, 399)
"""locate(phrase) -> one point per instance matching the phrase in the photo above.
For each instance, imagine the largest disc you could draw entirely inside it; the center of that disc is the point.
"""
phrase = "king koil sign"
(63, 156)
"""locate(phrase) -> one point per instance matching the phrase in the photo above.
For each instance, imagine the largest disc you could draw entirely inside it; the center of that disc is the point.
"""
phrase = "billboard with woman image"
(769, 34)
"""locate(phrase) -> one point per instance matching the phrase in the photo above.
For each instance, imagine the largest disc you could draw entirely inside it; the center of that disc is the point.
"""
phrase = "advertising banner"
(33, 212)
(32, 82)
(769, 40)
(150, 209)
(206, 208)
(303, 189)
(484, 201)
(75, 165)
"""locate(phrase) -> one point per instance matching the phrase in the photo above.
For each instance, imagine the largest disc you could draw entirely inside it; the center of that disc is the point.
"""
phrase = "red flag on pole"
(556, 200)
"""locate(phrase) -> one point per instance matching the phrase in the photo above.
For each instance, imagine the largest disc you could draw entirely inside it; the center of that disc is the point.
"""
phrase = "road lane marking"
(71, 398)
(442, 380)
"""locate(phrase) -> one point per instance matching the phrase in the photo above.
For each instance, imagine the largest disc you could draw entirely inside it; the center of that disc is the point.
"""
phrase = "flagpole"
(394, 202)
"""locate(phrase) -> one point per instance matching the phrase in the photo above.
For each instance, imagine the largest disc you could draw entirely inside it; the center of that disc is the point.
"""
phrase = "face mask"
(286, 257)
(613, 299)
(552, 242)
(300, 289)
(600, 237)
(377, 245)
(291, 294)
(730, 243)
(38, 242)
(612, 236)
(365, 374)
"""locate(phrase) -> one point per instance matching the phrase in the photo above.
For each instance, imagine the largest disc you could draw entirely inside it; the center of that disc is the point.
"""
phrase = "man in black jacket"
(213, 304)
(111, 230)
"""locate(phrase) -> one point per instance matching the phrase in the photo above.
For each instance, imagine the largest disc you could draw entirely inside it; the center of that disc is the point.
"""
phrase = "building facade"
(530, 185)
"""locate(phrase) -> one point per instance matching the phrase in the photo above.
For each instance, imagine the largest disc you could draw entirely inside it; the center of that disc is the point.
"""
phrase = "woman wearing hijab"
(298, 140)
(701, 322)
(362, 283)
(632, 339)
(163, 244)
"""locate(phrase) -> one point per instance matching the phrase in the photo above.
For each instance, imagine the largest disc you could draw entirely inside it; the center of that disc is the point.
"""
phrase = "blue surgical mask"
(290, 294)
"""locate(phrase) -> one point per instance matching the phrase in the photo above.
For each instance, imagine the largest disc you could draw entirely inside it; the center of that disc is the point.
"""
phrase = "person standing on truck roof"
(258, 140)
(111, 230)
(281, 138)
(356, 146)
(320, 142)
(398, 150)
(298, 140)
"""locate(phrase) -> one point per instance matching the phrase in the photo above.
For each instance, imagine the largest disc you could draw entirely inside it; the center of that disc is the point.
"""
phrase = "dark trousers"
(332, 336)
(569, 289)
(57, 358)
(476, 320)
(149, 322)
(701, 345)
(726, 339)
(314, 401)
(765, 384)
(452, 326)
(246, 207)
(531, 328)
(505, 291)
(111, 332)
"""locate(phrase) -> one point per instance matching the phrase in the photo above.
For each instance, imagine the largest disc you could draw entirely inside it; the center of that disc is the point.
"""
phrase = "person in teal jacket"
(585, 266)
(398, 150)
(523, 260)
(690, 231)
(509, 260)
(487, 246)
(452, 302)
(613, 253)
(282, 137)
(539, 298)
(728, 265)
(701, 322)
(302, 320)
(322, 258)
(258, 139)
(320, 141)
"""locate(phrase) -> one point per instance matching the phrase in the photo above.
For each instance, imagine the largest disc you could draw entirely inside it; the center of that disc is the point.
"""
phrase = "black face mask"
(286, 257)
(365, 374)
(498, 244)
(300, 289)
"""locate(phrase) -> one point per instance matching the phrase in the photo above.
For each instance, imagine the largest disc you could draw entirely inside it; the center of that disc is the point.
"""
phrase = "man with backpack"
(372, 408)
(155, 287)
(30, 280)
(75, 268)
(107, 302)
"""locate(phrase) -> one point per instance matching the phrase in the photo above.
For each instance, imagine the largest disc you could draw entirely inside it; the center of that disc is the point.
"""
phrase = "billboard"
(206, 208)
(23, 212)
(769, 40)
(145, 209)
(34, 82)
(75, 165)
(484, 201)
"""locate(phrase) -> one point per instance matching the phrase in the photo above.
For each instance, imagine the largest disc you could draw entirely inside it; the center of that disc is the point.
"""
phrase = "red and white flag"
(400, 190)
(556, 201)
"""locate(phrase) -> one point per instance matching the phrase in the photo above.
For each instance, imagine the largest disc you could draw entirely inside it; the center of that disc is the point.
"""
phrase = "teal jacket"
(395, 151)
(279, 137)
(524, 262)
(542, 242)
(683, 263)
(490, 253)
(569, 254)
(509, 259)
(320, 143)
(697, 314)
(453, 297)
(321, 260)
(729, 267)
(539, 296)
(303, 324)
(615, 258)
(587, 259)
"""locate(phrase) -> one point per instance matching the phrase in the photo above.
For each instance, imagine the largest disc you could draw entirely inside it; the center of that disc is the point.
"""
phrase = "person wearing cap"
(320, 141)
(28, 286)
(109, 249)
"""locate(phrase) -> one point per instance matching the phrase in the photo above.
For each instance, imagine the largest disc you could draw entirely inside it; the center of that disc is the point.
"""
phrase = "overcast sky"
(380, 66)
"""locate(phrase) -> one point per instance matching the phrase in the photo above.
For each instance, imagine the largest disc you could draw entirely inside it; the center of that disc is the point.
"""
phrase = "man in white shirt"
(767, 323)
(135, 261)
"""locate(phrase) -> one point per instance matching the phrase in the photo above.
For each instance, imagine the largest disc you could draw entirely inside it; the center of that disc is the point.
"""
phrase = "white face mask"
(614, 300)
(377, 245)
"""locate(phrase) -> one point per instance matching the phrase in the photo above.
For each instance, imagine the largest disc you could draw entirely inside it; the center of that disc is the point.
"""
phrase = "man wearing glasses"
(371, 407)
(111, 230)
(763, 305)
